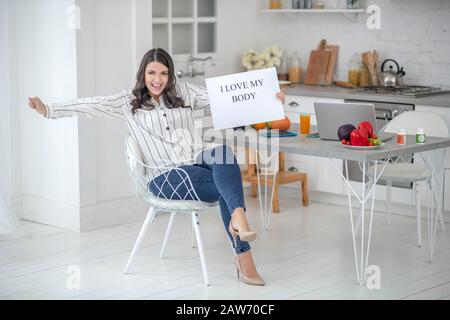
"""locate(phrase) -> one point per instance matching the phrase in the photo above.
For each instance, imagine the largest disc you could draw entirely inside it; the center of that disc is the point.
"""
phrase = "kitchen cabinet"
(294, 105)
(184, 27)
(305, 164)
(322, 176)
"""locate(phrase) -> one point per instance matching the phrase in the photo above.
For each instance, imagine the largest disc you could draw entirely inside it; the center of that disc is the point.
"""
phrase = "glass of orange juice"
(305, 123)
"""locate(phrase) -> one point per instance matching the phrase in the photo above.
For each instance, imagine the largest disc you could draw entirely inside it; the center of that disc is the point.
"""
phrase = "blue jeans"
(215, 176)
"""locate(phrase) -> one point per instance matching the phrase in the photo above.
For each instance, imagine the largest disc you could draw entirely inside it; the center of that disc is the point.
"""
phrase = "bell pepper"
(359, 137)
(367, 126)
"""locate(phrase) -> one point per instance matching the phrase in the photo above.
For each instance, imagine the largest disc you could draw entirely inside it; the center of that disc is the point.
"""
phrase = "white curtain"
(10, 227)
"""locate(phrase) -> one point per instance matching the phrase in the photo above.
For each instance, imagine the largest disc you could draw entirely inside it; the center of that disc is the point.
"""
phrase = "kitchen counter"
(437, 100)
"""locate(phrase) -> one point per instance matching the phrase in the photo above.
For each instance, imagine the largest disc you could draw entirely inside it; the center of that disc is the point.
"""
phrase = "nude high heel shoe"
(254, 281)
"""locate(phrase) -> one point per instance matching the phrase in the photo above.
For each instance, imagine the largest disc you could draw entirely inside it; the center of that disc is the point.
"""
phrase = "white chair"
(142, 174)
(434, 125)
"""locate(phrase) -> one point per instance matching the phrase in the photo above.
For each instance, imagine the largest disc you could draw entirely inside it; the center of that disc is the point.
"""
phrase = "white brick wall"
(416, 33)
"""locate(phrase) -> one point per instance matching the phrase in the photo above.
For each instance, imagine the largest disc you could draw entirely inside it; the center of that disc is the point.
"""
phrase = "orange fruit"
(258, 126)
(283, 124)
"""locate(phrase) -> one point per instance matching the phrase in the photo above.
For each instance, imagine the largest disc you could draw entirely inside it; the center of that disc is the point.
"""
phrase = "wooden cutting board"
(331, 64)
(317, 65)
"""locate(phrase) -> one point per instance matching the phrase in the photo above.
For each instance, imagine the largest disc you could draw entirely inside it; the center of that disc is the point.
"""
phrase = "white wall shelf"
(354, 11)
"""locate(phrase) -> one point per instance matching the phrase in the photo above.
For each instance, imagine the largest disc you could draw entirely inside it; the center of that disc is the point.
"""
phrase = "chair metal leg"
(192, 232)
(419, 218)
(441, 220)
(195, 222)
(388, 200)
(147, 222)
(153, 218)
(166, 237)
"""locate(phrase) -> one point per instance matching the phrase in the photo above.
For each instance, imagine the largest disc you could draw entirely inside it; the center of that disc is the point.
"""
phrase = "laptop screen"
(330, 116)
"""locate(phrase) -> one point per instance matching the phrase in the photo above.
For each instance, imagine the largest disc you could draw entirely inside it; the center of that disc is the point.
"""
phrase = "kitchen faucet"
(191, 71)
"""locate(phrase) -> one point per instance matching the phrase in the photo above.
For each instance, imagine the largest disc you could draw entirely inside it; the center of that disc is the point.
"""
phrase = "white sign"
(244, 98)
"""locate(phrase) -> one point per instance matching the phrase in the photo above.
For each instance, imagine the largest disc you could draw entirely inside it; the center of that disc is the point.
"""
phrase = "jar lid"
(420, 130)
(402, 131)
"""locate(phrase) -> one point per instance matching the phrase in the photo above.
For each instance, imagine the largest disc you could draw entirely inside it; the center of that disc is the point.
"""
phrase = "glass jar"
(319, 5)
(294, 70)
(275, 4)
(282, 70)
(353, 69)
(363, 76)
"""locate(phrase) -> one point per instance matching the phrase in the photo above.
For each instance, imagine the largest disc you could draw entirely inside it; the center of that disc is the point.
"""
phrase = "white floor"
(307, 254)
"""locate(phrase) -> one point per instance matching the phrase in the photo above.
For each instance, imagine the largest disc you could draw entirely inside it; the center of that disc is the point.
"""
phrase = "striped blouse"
(167, 137)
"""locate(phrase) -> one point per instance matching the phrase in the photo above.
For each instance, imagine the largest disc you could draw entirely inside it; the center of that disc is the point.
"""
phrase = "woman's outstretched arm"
(106, 107)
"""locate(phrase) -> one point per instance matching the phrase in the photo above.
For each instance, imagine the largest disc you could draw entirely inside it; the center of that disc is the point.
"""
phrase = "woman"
(158, 112)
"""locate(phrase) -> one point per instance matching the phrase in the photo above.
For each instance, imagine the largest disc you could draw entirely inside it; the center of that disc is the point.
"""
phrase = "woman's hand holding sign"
(281, 95)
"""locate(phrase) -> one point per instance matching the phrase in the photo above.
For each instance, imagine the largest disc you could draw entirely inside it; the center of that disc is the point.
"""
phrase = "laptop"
(330, 116)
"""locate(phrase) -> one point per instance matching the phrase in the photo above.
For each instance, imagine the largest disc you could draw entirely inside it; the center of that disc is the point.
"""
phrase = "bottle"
(308, 4)
(294, 70)
(295, 4)
(282, 71)
(420, 136)
(352, 4)
(401, 137)
(353, 69)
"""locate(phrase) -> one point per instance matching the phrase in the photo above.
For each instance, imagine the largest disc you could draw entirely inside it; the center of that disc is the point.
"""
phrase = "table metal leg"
(368, 186)
(367, 191)
(435, 160)
(266, 209)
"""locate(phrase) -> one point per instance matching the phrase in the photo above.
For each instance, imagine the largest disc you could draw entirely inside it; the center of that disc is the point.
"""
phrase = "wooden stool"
(282, 177)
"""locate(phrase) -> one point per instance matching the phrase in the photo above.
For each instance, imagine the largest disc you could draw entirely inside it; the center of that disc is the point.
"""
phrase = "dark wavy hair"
(140, 91)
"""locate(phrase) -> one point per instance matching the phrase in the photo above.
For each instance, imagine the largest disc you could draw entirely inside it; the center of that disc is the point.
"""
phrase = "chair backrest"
(138, 172)
(433, 123)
